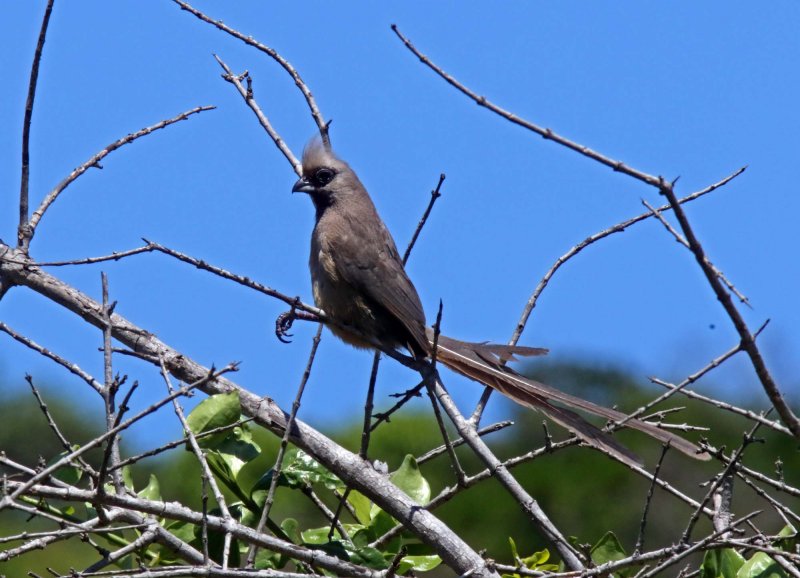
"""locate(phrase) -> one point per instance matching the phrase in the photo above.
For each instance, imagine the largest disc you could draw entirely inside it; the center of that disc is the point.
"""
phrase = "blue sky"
(677, 89)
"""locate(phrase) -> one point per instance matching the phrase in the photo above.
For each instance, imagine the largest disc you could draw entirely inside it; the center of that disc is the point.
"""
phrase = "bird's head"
(326, 178)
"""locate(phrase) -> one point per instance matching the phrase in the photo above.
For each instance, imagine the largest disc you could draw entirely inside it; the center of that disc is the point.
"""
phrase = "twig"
(201, 459)
(95, 162)
(643, 524)
(748, 340)
(430, 386)
(618, 228)
(175, 443)
(435, 194)
(24, 232)
(679, 238)
(499, 470)
(429, 455)
(546, 133)
(116, 256)
(543, 283)
(718, 481)
(247, 95)
(240, 279)
(276, 469)
(272, 53)
(68, 365)
(109, 393)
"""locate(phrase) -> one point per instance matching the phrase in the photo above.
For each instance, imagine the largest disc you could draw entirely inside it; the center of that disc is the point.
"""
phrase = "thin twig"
(201, 458)
(657, 213)
(724, 297)
(272, 53)
(543, 283)
(24, 232)
(435, 194)
(546, 133)
(68, 365)
(643, 524)
(247, 95)
(95, 162)
(276, 469)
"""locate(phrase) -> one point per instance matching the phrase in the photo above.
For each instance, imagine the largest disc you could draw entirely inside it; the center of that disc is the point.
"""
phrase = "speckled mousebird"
(359, 280)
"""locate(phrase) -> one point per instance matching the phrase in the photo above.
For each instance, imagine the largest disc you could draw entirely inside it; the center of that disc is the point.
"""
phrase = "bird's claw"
(283, 324)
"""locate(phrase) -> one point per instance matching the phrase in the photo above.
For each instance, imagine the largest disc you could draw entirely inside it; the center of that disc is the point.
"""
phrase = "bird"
(359, 280)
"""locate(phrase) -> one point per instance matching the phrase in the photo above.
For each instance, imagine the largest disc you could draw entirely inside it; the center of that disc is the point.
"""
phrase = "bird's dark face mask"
(316, 186)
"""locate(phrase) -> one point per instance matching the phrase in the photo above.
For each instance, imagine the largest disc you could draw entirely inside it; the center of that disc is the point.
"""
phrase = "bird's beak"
(302, 186)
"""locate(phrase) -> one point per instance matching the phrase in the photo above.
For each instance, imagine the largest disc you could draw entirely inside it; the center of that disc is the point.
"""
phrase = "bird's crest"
(316, 155)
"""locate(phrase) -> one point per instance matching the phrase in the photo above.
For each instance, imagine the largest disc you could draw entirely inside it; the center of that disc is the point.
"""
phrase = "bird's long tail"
(485, 363)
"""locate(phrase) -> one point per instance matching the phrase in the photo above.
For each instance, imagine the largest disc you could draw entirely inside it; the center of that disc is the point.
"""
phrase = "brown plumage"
(358, 279)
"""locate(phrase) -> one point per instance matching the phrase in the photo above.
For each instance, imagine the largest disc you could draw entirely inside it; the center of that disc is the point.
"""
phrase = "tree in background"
(375, 514)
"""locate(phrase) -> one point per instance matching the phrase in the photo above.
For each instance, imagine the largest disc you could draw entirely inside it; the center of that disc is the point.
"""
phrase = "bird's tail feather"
(484, 363)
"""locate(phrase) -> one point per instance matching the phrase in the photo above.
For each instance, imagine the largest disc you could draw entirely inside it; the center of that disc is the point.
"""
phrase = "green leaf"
(418, 563)
(152, 491)
(361, 504)
(127, 478)
(608, 549)
(514, 553)
(537, 559)
(722, 563)
(761, 565)
(213, 412)
(409, 479)
(68, 473)
(369, 557)
(292, 529)
(788, 539)
(237, 449)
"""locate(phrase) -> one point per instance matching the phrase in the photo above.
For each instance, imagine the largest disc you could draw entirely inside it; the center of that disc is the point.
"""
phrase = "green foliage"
(593, 497)
(729, 563)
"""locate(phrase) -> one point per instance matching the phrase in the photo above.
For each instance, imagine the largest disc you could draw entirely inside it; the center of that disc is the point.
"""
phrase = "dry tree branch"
(348, 466)
(748, 339)
(24, 232)
(208, 476)
(68, 365)
(528, 504)
(679, 238)
(247, 95)
(666, 189)
(176, 511)
(618, 228)
(527, 310)
(276, 469)
(545, 133)
(95, 162)
(272, 53)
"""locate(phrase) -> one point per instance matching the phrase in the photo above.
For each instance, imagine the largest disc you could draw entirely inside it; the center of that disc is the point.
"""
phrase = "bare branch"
(272, 53)
(24, 231)
(95, 162)
(679, 238)
(546, 133)
(247, 95)
(68, 365)
(748, 340)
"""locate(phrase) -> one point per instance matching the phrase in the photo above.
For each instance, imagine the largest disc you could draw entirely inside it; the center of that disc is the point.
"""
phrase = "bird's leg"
(285, 320)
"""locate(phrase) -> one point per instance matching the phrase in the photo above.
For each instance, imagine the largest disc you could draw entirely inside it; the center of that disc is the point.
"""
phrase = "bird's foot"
(285, 320)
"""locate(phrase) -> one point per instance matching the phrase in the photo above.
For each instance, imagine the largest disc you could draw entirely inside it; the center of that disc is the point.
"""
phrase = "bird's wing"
(376, 271)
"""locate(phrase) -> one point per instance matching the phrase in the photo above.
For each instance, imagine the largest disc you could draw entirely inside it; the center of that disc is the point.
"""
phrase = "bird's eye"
(324, 176)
